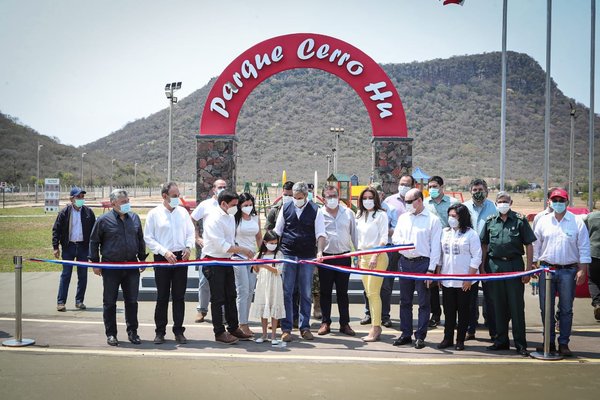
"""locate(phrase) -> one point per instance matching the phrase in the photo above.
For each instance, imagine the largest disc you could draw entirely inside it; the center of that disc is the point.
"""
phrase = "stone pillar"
(215, 160)
(392, 157)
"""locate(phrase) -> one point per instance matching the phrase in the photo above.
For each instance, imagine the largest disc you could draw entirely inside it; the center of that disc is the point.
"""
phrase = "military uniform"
(505, 241)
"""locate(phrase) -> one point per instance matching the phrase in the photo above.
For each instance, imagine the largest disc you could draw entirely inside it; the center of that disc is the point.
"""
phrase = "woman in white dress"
(268, 303)
(247, 234)
(461, 254)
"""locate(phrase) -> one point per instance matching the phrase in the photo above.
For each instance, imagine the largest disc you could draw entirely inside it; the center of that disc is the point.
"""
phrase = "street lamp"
(112, 173)
(39, 147)
(135, 179)
(328, 156)
(82, 155)
(337, 132)
(572, 155)
(170, 88)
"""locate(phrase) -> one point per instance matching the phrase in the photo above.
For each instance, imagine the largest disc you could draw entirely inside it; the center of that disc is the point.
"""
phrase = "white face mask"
(410, 209)
(286, 199)
(299, 203)
(271, 246)
(369, 204)
(502, 207)
(332, 203)
(232, 210)
(219, 192)
(452, 222)
(402, 190)
(247, 210)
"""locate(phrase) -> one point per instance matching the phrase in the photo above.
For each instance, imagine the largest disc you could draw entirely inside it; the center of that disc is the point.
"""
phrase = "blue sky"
(81, 69)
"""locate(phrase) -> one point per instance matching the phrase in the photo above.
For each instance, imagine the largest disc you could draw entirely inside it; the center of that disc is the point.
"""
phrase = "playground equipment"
(344, 187)
(262, 200)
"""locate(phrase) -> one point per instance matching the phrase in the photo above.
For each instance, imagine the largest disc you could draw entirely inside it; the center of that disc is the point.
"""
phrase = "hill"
(452, 108)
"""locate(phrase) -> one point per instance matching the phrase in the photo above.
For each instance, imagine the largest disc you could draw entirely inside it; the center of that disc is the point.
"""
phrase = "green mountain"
(452, 108)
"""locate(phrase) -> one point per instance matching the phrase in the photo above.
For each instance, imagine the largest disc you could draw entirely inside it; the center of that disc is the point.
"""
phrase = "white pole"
(170, 138)
(547, 111)
(592, 114)
(503, 101)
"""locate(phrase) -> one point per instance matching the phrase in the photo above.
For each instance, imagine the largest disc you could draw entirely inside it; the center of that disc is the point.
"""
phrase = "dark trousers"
(456, 302)
(509, 304)
(129, 280)
(473, 308)
(221, 281)
(407, 289)
(386, 288)
(434, 300)
(170, 282)
(73, 251)
(328, 278)
(487, 306)
(594, 281)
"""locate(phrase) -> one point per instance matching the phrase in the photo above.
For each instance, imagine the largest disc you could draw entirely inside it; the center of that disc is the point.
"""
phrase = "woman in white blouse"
(248, 235)
(461, 254)
(372, 231)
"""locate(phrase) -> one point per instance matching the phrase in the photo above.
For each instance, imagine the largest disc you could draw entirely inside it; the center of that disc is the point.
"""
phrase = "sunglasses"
(410, 201)
(558, 200)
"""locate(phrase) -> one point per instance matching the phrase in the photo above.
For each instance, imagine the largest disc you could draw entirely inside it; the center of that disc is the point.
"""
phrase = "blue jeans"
(303, 275)
(563, 282)
(245, 282)
(407, 289)
(79, 252)
(203, 292)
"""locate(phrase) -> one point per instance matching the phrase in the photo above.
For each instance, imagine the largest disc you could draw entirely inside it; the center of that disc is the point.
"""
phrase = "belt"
(556, 266)
(415, 259)
(503, 258)
(335, 254)
(77, 242)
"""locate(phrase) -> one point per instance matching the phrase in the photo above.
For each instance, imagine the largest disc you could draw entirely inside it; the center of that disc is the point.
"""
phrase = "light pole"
(328, 156)
(572, 155)
(82, 155)
(135, 179)
(170, 88)
(112, 173)
(337, 132)
(37, 177)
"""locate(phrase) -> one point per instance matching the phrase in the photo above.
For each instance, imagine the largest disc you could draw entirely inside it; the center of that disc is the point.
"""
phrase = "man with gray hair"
(118, 236)
(502, 239)
(301, 227)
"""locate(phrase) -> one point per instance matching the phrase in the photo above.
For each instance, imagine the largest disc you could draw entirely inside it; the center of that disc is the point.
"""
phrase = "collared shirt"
(397, 207)
(168, 230)
(507, 238)
(340, 230)
(204, 208)
(371, 229)
(319, 222)
(75, 231)
(539, 215)
(424, 230)
(561, 243)
(440, 210)
(392, 218)
(592, 222)
(117, 239)
(219, 233)
(480, 213)
(460, 253)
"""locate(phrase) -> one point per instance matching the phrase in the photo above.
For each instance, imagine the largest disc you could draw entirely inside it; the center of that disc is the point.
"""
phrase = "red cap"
(559, 193)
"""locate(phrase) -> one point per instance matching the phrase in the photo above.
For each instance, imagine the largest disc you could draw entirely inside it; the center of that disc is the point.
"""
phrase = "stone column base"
(392, 157)
(216, 157)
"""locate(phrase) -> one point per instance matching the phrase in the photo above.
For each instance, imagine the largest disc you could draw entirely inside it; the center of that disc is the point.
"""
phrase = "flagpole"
(503, 101)
(547, 111)
(592, 114)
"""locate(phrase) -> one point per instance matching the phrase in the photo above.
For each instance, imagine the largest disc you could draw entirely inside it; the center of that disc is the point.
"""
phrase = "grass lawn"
(27, 232)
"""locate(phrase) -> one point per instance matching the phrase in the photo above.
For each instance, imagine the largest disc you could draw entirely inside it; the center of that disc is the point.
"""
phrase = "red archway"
(303, 50)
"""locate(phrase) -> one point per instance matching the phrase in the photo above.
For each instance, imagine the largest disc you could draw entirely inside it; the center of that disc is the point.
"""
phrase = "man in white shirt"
(340, 226)
(563, 244)
(302, 230)
(169, 234)
(219, 243)
(424, 230)
(198, 215)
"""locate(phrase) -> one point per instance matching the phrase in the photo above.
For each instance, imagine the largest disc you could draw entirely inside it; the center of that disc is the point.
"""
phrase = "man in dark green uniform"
(502, 241)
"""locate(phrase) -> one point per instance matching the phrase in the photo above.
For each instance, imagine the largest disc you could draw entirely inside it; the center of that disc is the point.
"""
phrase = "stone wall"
(215, 160)
(392, 157)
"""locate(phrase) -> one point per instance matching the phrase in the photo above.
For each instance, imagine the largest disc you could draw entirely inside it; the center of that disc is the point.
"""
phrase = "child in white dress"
(268, 300)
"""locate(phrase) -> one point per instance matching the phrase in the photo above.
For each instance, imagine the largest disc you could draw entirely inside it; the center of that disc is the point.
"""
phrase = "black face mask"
(478, 196)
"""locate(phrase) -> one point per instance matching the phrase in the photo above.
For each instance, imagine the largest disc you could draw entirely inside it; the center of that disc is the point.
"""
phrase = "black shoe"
(470, 336)
(159, 339)
(401, 341)
(433, 322)
(459, 346)
(564, 350)
(497, 347)
(387, 323)
(419, 344)
(445, 344)
(134, 338)
(366, 320)
(523, 352)
(112, 341)
(552, 348)
(180, 339)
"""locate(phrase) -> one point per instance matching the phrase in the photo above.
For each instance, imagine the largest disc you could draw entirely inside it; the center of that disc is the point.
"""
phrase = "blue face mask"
(125, 208)
(559, 207)
(174, 202)
(434, 193)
